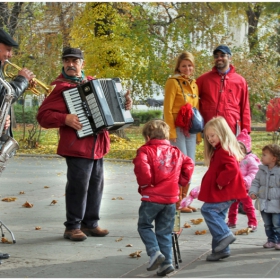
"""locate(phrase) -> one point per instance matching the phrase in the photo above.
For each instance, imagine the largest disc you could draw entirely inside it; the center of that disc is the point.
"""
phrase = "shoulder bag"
(189, 118)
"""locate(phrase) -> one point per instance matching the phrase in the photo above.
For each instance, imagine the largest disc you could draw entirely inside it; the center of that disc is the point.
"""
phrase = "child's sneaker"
(269, 244)
(253, 228)
(277, 246)
(231, 225)
(165, 269)
(155, 260)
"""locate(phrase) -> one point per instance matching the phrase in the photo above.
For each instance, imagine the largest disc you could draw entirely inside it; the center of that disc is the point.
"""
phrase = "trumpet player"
(19, 84)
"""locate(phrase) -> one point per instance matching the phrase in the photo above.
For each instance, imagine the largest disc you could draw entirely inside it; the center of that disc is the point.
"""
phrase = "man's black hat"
(6, 39)
(72, 52)
(223, 49)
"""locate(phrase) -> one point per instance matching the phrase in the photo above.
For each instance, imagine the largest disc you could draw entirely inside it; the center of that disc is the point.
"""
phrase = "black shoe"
(217, 256)
(224, 243)
(4, 256)
(166, 269)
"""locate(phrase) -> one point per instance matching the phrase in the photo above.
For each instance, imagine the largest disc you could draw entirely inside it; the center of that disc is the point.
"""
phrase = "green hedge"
(29, 115)
(145, 116)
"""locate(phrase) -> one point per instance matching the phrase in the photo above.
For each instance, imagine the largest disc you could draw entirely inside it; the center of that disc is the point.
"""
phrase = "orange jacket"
(174, 100)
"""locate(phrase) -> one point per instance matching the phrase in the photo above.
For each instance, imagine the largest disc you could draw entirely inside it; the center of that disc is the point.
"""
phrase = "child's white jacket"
(266, 186)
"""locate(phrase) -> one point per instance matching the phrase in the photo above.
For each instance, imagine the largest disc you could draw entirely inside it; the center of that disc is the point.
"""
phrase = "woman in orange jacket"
(180, 89)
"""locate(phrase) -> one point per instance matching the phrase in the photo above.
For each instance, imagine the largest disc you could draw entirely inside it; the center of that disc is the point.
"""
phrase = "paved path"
(45, 254)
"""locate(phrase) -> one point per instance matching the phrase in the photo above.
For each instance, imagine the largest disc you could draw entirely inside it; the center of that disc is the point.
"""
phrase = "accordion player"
(99, 104)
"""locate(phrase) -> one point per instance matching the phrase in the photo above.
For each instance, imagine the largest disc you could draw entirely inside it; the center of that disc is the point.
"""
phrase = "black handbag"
(197, 122)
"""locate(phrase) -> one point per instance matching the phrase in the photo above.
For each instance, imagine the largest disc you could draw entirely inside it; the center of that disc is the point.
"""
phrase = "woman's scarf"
(184, 118)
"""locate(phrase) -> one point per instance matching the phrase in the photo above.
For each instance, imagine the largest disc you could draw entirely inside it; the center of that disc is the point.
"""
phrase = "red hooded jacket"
(160, 168)
(52, 114)
(223, 171)
(229, 99)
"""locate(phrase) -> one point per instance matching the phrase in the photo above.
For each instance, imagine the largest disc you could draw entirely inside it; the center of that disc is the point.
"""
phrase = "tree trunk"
(253, 14)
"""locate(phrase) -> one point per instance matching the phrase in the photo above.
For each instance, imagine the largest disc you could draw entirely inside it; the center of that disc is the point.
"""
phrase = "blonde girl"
(221, 185)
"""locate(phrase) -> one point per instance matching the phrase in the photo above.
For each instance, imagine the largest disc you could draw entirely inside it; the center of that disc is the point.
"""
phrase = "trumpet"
(47, 88)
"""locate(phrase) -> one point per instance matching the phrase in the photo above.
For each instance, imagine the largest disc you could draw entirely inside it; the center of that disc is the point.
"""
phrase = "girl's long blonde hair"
(228, 140)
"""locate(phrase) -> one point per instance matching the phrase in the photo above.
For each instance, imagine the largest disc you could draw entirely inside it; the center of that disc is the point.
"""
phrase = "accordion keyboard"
(75, 106)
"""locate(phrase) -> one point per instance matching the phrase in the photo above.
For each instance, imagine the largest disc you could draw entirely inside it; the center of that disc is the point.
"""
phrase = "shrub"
(145, 116)
(28, 116)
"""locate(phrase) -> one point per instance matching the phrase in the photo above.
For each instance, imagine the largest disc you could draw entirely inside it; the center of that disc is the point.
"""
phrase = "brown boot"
(187, 209)
(98, 231)
(74, 234)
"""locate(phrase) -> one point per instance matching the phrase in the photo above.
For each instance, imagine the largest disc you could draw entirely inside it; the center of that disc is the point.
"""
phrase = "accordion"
(99, 104)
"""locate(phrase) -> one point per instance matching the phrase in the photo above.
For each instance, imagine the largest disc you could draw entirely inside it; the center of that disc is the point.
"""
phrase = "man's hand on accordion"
(128, 103)
(73, 121)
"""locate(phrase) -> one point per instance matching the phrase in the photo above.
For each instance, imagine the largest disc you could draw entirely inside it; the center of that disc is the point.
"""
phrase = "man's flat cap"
(72, 52)
(223, 49)
(6, 39)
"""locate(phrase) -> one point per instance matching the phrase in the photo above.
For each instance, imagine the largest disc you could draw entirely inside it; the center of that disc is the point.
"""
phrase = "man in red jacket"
(84, 156)
(224, 93)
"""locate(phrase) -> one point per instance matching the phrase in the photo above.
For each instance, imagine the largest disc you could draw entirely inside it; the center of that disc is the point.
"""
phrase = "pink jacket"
(249, 167)
(52, 114)
(160, 168)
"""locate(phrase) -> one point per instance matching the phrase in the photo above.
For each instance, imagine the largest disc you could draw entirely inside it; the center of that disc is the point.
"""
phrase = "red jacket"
(160, 168)
(223, 171)
(52, 114)
(232, 103)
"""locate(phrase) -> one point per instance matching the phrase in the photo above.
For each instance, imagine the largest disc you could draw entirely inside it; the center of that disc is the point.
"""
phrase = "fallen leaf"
(187, 225)
(53, 202)
(22, 192)
(197, 221)
(119, 239)
(9, 199)
(244, 230)
(200, 232)
(46, 187)
(37, 228)
(5, 240)
(135, 254)
(128, 245)
(27, 204)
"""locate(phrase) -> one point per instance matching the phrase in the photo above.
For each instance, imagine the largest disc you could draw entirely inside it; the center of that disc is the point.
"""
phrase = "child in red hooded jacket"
(221, 185)
(159, 168)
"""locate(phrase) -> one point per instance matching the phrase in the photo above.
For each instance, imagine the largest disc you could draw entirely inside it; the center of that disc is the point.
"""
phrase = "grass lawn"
(120, 148)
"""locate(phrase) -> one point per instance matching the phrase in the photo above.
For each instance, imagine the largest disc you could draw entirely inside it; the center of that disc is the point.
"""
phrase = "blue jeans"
(84, 191)
(161, 238)
(272, 226)
(215, 215)
(186, 144)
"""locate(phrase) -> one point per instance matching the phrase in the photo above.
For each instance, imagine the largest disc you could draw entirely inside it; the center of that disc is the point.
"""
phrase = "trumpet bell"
(34, 82)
